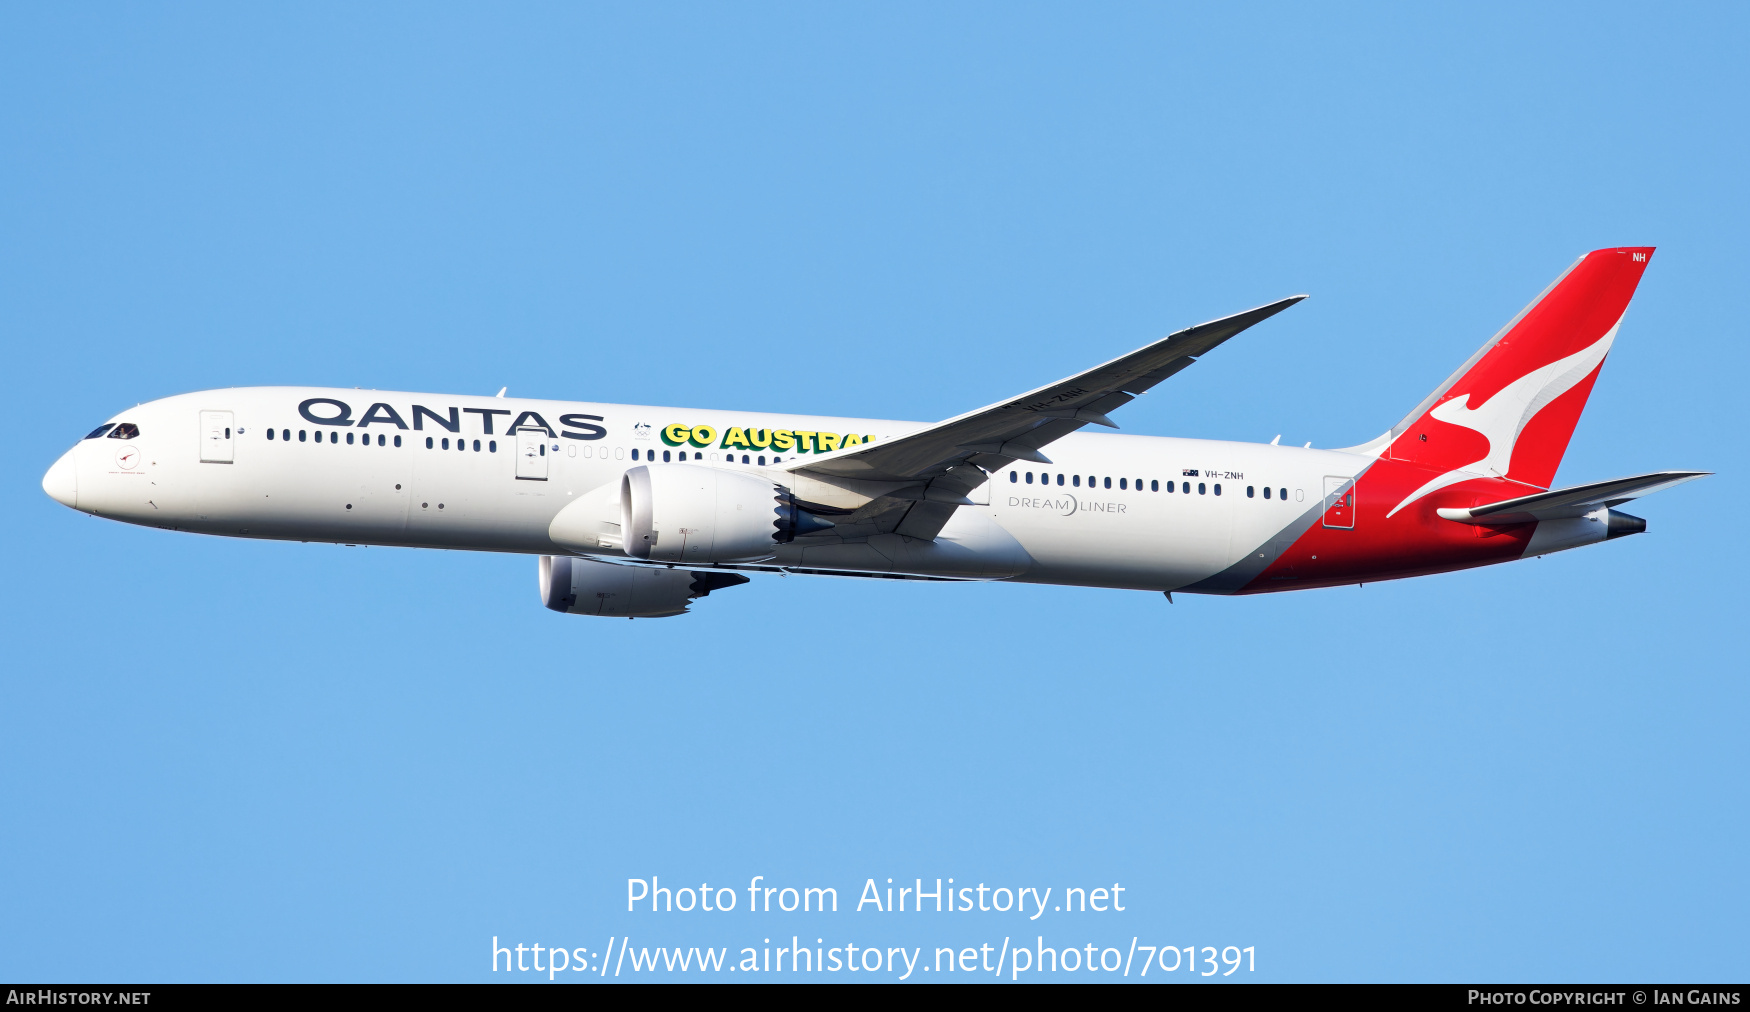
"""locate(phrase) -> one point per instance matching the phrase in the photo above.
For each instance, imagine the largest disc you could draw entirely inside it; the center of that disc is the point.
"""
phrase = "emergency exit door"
(216, 437)
(531, 454)
(1339, 501)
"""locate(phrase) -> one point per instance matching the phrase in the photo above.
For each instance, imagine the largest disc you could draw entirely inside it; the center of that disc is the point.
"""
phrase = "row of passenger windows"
(1075, 481)
(1124, 484)
(728, 458)
(462, 444)
(490, 446)
(364, 438)
(668, 456)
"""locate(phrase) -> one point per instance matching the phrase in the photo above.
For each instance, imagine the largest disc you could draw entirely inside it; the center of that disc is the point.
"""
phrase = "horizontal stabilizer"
(1571, 502)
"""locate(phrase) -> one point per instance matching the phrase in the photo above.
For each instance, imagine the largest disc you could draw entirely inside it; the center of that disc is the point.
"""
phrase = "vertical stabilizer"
(1510, 411)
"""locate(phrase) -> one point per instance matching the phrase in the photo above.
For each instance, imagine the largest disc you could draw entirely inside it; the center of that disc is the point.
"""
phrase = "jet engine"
(687, 514)
(587, 587)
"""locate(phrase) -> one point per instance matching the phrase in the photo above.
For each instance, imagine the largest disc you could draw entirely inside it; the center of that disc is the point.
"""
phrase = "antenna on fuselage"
(501, 391)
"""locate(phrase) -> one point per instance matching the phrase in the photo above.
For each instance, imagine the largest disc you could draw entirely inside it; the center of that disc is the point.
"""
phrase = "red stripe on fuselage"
(1416, 541)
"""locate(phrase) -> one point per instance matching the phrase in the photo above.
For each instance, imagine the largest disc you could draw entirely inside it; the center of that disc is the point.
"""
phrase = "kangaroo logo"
(1501, 418)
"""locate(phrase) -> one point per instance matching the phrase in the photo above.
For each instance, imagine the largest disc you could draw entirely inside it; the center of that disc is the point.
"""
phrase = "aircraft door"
(1339, 502)
(531, 454)
(216, 437)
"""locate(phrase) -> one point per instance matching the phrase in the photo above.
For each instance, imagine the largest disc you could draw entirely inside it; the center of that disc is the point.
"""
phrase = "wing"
(913, 483)
(1570, 502)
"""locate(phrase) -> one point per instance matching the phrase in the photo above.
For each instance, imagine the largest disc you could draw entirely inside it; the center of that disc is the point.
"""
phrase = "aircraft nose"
(62, 481)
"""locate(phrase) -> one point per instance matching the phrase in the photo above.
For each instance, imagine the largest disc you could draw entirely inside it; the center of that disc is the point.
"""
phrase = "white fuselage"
(1099, 515)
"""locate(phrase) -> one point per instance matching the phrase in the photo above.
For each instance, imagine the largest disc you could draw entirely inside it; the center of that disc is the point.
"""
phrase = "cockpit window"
(126, 430)
(100, 430)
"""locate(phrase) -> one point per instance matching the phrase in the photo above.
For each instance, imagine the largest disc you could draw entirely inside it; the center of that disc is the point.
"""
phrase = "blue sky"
(227, 760)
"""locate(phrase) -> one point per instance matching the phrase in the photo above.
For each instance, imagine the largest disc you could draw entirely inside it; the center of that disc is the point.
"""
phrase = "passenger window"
(286, 434)
(1284, 494)
(1202, 489)
(762, 460)
(1154, 486)
(446, 442)
(1124, 483)
(1218, 488)
(397, 440)
(270, 434)
(126, 430)
(476, 446)
(1060, 479)
(1108, 482)
(349, 439)
(1014, 477)
(300, 435)
(492, 445)
(1076, 481)
(1266, 491)
(100, 430)
(1029, 477)
(1248, 491)
(1169, 486)
(634, 453)
(428, 442)
(744, 458)
(665, 459)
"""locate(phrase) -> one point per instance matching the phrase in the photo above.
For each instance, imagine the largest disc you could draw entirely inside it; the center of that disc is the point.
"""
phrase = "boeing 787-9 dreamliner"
(637, 511)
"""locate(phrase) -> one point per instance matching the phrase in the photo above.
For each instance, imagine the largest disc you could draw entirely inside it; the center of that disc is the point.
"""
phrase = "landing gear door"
(1339, 502)
(216, 439)
(531, 454)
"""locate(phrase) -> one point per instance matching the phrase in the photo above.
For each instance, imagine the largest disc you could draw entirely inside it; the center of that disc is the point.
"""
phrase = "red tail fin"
(1510, 410)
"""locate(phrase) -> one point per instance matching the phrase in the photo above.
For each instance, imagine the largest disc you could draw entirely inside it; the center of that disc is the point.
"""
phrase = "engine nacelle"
(588, 587)
(687, 514)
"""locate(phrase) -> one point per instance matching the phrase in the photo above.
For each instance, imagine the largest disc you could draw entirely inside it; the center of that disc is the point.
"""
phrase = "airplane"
(638, 511)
